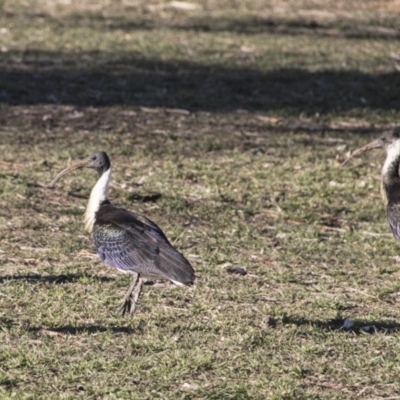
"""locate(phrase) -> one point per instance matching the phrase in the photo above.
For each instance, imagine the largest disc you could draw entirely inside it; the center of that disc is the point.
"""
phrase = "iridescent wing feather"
(132, 242)
(393, 216)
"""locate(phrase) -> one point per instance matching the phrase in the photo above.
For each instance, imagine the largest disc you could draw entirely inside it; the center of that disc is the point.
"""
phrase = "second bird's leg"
(131, 297)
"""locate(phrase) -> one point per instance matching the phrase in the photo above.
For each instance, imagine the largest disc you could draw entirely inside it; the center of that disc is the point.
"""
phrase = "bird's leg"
(135, 295)
(127, 300)
(128, 304)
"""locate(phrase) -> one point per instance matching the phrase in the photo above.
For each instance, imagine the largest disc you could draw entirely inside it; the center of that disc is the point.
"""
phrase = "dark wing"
(393, 216)
(134, 243)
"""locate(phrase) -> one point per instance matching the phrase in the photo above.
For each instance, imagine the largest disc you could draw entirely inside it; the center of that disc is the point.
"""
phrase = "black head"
(387, 140)
(99, 161)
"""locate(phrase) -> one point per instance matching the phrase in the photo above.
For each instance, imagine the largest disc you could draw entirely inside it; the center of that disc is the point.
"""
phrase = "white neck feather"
(392, 157)
(97, 196)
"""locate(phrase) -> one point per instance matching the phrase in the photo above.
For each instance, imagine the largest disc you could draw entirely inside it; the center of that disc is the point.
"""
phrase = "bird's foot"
(130, 300)
(127, 306)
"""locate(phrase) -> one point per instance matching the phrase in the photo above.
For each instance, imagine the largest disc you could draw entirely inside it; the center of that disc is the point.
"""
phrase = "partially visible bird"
(128, 241)
(390, 182)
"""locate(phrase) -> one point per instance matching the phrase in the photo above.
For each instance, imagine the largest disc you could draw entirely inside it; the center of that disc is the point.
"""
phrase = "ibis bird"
(390, 182)
(128, 241)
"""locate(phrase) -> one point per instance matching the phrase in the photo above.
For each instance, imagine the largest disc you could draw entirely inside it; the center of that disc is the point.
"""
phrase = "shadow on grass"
(350, 29)
(56, 279)
(6, 323)
(346, 325)
(134, 197)
(145, 198)
(97, 79)
(296, 25)
(78, 330)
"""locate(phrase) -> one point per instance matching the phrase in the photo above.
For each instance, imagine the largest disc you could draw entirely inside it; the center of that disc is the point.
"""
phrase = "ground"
(226, 123)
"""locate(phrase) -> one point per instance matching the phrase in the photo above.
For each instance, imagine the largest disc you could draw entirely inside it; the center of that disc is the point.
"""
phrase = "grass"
(227, 125)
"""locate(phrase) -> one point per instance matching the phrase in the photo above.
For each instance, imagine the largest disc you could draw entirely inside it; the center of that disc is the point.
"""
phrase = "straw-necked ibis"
(127, 241)
(390, 182)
